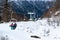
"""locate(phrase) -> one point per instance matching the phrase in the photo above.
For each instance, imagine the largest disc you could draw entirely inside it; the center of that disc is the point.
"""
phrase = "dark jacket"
(15, 25)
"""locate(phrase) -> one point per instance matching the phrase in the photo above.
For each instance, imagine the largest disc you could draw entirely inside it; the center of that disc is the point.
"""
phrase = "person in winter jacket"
(15, 25)
(12, 26)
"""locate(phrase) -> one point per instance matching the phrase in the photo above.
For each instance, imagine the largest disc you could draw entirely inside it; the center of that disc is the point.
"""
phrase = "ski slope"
(24, 30)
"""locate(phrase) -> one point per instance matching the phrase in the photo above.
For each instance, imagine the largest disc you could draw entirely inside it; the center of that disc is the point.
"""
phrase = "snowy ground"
(24, 30)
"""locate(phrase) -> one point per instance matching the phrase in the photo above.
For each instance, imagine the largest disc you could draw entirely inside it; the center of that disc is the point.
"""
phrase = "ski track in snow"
(25, 29)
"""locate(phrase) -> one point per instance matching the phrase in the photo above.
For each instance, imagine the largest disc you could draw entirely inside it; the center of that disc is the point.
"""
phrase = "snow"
(24, 30)
(57, 12)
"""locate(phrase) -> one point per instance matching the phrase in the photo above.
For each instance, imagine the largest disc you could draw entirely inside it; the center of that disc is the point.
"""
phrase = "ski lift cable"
(20, 6)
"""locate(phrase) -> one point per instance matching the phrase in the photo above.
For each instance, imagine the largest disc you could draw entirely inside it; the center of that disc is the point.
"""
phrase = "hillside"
(25, 30)
(39, 7)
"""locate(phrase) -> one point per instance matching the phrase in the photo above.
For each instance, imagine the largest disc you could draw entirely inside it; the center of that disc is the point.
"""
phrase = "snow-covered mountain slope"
(25, 30)
(23, 7)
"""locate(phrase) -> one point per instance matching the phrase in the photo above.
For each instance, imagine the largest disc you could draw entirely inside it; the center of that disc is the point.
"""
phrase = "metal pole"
(24, 16)
(30, 16)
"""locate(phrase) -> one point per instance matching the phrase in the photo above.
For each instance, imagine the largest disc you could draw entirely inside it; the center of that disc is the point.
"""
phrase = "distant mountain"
(23, 7)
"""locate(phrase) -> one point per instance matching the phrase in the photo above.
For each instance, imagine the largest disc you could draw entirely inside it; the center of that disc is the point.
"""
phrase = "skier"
(12, 26)
(15, 25)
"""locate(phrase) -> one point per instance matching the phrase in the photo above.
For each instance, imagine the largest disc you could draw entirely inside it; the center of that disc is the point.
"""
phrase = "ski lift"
(31, 13)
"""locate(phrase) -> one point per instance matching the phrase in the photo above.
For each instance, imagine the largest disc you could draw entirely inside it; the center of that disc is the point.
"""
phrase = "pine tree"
(57, 4)
(6, 11)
